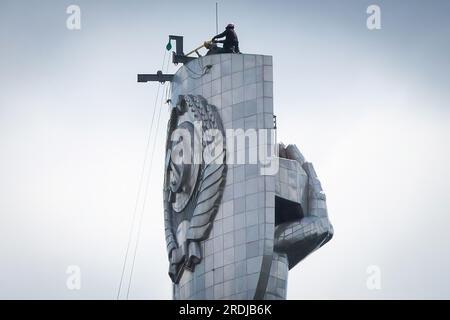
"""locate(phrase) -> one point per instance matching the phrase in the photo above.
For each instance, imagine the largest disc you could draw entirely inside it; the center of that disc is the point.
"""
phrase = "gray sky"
(370, 109)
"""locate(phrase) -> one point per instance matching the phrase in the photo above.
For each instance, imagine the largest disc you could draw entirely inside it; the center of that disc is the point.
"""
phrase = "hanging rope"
(163, 99)
(141, 179)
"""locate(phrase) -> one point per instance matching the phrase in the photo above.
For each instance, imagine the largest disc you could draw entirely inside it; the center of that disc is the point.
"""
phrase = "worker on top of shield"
(231, 42)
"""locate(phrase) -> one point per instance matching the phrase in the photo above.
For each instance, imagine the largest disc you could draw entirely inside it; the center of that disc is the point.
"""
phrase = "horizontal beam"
(159, 76)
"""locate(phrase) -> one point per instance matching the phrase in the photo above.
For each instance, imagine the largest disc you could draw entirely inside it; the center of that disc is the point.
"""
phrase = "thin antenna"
(217, 18)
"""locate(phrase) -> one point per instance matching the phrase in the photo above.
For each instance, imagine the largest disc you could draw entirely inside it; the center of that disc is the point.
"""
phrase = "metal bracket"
(179, 56)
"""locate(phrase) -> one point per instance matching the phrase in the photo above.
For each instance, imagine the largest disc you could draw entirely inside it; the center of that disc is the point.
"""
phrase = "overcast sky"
(369, 108)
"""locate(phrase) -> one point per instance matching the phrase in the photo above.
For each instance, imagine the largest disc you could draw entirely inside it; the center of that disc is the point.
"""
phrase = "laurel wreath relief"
(209, 191)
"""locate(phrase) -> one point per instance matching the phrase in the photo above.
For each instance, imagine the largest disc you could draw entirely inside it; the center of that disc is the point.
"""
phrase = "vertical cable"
(141, 179)
(146, 186)
(217, 18)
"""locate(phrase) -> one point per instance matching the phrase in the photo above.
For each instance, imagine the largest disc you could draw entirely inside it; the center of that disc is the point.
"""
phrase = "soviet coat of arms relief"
(195, 172)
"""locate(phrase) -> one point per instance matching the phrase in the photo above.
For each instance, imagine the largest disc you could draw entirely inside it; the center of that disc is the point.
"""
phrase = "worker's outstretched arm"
(220, 35)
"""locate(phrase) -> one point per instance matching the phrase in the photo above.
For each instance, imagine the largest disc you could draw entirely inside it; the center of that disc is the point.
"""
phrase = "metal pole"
(217, 18)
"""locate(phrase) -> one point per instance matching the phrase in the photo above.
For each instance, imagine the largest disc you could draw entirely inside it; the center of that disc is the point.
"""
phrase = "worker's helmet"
(230, 26)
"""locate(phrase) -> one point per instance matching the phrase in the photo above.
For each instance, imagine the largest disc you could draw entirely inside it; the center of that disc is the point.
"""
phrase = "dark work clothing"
(231, 42)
